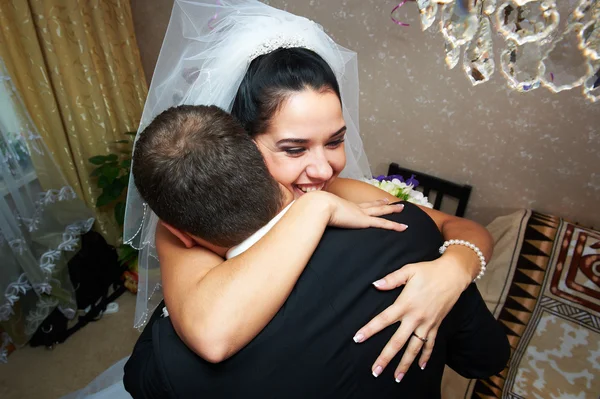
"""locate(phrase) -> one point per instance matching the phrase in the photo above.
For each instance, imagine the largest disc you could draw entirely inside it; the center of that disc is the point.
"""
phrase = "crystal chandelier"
(544, 44)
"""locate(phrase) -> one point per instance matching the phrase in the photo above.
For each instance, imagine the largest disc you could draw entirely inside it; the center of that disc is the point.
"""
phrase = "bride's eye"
(294, 151)
(335, 143)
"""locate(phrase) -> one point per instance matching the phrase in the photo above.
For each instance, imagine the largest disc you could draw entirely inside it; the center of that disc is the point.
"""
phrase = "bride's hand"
(346, 214)
(432, 288)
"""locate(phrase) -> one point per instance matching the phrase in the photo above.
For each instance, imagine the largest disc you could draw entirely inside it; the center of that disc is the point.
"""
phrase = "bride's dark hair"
(272, 78)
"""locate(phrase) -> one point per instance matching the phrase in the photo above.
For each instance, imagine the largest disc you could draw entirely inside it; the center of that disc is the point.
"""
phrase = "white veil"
(205, 54)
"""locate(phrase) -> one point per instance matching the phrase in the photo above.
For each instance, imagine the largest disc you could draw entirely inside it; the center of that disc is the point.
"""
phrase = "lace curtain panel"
(41, 220)
(77, 68)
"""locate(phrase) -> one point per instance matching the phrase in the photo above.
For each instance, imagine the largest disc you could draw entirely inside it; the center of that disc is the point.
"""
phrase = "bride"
(207, 51)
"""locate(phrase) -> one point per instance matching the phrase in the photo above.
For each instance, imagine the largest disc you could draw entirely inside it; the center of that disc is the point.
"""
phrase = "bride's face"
(304, 145)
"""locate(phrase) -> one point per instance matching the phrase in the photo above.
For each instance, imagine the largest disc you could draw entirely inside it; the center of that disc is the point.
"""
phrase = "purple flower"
(412, 181)
(399, 177)
(381, 178)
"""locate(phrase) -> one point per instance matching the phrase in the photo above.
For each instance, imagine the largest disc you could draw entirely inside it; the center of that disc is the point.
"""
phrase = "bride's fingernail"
(400, 206)
(386, 201)
(423, 366)
(404, 226)
(377, 371)
(399, 377)
(379, 283)
(358, 338)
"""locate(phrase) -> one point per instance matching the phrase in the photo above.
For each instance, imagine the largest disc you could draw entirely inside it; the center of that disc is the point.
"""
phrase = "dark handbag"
(94, 271)
(51, 330)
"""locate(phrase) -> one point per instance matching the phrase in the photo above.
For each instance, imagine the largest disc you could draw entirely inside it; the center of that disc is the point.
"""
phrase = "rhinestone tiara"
(275, 43)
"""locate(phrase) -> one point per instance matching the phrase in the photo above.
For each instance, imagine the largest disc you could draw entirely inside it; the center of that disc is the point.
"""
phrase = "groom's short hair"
(200, 172)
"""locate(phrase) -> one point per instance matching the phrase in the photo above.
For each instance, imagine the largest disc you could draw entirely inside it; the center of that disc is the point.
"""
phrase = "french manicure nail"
(399, 377)
(379, 283)
(401, 206)
(423, 366)
(377, 371)
(358, 338)
(387, 201)
(404, 225)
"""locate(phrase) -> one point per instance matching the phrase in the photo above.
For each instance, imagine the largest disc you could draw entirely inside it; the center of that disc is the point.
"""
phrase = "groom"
(306, 351)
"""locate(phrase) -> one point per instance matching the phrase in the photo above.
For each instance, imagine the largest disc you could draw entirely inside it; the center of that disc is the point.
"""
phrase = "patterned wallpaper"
(535, 150)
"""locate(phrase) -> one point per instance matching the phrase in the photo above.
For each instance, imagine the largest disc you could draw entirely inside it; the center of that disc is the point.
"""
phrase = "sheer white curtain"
(41, 220)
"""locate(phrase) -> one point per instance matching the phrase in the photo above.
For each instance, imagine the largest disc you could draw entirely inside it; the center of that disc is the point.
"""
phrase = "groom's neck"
(288, 197)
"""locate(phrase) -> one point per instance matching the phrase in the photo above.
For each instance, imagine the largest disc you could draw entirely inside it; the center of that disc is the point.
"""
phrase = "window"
(16, 168)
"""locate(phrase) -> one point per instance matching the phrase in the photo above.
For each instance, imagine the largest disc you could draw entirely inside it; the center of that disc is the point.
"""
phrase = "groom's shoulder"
(411, 213)
(418, 221)
(421, 231)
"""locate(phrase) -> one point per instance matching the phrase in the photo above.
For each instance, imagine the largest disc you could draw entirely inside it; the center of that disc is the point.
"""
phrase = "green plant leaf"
(98, 159)
(122, 142)
(110, 193)
(104, 199)
(126, 250)
(127, 254)
(103, 181)
(126, 164)
(112, 158)
(131, 133)
(96, 172)
(124, 179)
(115, 188)
(120, 213)
(127, 262)
(111, 172)
(108, 170)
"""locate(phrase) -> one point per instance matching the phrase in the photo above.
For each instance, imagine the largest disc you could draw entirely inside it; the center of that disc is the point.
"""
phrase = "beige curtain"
(77, 67)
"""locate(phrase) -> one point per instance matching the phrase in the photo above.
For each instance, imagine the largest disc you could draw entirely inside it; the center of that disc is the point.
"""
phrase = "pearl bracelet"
(474, 247)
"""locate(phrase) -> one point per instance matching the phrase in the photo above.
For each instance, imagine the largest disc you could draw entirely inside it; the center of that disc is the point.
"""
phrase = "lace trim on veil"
(47, 263)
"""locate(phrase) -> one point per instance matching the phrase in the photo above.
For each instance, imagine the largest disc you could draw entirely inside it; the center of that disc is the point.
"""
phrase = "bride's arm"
(198, 294)
(451, 227)
(218, 306)
(432, 288)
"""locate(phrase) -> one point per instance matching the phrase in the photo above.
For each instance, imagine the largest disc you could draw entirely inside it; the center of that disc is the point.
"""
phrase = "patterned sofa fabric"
(543, 284)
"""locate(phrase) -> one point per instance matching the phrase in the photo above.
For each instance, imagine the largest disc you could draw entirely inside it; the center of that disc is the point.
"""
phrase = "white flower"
(390, 187)
(400, 184)
(401, 190)
(417, 197)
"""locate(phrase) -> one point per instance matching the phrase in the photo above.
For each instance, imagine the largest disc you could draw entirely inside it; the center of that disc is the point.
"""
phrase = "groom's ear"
(185, 238)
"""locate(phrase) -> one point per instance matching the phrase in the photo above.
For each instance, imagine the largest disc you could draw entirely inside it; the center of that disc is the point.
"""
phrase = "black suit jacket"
(307, 350)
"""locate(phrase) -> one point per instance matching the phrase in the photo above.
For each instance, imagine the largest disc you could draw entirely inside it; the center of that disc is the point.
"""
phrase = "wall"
(150, 19)
(536, 150)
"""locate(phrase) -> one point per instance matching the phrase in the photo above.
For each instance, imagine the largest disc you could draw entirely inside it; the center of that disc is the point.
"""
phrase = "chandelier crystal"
(543, 44)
